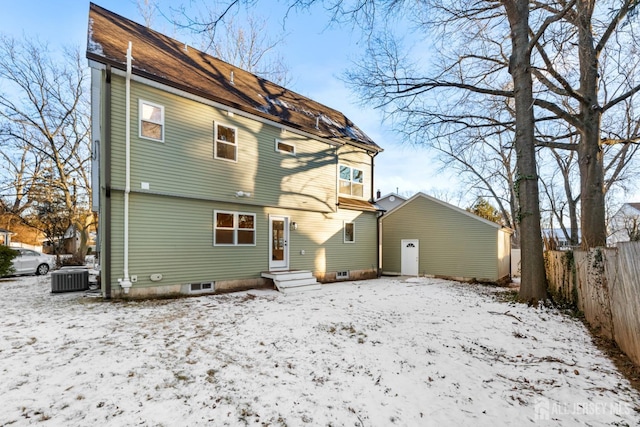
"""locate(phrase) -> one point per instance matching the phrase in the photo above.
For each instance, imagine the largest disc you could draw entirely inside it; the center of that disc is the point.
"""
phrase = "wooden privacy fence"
(603, 283)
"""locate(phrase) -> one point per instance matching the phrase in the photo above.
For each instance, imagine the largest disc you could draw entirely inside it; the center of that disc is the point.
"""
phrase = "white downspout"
(125, 283)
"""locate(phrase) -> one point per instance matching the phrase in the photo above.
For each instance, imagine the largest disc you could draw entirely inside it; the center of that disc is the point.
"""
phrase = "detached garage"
(426, 236)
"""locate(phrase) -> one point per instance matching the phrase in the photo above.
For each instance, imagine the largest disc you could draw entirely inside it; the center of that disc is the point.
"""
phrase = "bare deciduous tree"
(44, 125)
(240, 40)
(551, 73)
(248, 47)
(588, 31)
(148, 10)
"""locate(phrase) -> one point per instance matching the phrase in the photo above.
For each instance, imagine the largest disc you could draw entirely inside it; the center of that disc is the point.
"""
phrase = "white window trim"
(344, 232)
(279, 141)
(351, 181)
(235, 228)
(215, 141)
(201, 286)
(161, 122)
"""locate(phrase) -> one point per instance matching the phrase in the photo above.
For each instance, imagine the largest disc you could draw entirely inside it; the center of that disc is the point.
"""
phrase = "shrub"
(6, 256)
(75, 260)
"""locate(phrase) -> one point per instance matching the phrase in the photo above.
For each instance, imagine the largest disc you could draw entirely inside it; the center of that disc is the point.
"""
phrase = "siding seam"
(207, 199)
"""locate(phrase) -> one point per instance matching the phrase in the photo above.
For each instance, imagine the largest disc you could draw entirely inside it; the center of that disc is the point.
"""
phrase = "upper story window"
(151, 120)
(225, 142)
(286, 148)
(233, 228)
(351, 181)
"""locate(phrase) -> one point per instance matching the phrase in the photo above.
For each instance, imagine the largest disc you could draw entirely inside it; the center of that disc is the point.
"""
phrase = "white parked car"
(32, 262)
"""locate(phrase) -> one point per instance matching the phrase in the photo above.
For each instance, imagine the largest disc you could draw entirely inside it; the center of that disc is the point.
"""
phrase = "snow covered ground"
(414, 352)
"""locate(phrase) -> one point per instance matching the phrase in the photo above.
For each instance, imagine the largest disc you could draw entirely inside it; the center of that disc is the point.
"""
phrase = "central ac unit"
(70, 280)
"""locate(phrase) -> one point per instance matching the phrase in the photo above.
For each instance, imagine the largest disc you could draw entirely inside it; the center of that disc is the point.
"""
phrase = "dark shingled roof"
(168, 61)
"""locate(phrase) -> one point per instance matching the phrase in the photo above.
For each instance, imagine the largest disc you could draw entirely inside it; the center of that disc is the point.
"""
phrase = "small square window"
(345, 173)
(245, 221)
(349, 232)
(285, 148)
(151, 120)
(225, 142)
(224, 237)
(224, 220)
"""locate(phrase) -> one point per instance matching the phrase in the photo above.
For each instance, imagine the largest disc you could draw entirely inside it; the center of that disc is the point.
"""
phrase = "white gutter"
(125, 283)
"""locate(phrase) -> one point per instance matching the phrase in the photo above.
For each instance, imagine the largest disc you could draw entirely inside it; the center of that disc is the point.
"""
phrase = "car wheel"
(42, 269)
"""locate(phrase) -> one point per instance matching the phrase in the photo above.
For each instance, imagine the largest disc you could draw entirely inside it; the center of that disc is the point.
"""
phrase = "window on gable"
(283, 147)
(349, 232)
(151, 120)
(234, 228)
(225, 142)
(351, 181)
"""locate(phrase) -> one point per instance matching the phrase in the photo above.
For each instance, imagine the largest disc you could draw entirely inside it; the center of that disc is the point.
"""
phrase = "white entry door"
(279, 248)
(410, 256)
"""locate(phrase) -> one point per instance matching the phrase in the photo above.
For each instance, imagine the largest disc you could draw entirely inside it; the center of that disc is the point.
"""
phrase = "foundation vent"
(342, 275)
(197, 288)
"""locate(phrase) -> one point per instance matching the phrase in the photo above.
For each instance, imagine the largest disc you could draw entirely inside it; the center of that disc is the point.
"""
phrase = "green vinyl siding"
(174, 237)
(452, 243)
(171, 222)
(321, 237)
(357, 158)
(184, 164)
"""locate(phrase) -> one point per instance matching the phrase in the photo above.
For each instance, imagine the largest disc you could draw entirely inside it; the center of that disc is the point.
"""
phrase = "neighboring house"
(209, 178)
(5, 237)
(389, 201)
(624, 225)
(427, 236)
(71, 242)
(556, 239)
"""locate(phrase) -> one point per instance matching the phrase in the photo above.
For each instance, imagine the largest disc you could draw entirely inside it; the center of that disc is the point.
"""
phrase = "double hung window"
(225, 142)
(151, 120)
(351, 181)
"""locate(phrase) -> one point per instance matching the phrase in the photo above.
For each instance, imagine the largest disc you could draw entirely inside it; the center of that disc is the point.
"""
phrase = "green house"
(426, 236)
(208, 178)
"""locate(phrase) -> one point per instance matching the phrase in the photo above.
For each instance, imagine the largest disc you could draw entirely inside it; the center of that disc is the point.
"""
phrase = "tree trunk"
(573, 218)
(533, 286)
(572, 202)
(590, 155)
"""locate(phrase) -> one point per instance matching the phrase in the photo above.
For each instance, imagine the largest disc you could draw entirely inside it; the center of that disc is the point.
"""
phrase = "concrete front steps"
(293, 281)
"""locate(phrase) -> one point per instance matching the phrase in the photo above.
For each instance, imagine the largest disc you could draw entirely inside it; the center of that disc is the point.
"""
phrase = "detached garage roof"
(447, 205)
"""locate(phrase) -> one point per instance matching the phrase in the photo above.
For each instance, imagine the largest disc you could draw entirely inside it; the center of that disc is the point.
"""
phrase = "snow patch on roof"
(264, 109)
(336, 129)
(357, 134)
(286, 105)
(92, 45)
